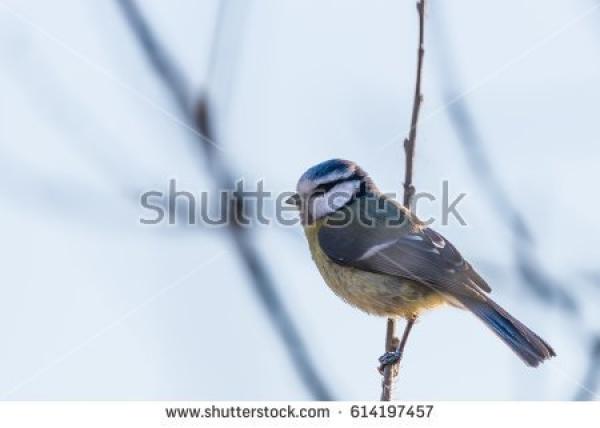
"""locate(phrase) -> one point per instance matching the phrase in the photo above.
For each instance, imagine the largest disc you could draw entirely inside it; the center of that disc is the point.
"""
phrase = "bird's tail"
(531, 348)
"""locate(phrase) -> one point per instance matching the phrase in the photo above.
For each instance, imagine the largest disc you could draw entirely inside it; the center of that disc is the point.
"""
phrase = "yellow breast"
(373, 293)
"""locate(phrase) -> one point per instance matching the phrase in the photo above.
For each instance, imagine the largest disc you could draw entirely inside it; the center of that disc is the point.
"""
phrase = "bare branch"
(397, 346)
(390, 371)
(409, 143)
(390, 346)
(197, 111)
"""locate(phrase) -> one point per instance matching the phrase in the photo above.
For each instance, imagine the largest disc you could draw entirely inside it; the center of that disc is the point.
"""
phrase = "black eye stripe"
(326, 187)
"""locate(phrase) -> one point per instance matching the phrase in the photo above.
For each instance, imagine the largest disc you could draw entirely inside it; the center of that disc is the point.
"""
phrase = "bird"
(377, 256)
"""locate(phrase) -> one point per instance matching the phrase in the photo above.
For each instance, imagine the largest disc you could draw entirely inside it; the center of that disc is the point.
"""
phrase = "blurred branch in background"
(539, 282)
(591, 377)
(390, 371)
(42, 85)
(198, 113)
(533, 274)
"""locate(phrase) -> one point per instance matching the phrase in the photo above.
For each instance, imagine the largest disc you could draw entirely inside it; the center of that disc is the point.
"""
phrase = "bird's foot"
(389, 358)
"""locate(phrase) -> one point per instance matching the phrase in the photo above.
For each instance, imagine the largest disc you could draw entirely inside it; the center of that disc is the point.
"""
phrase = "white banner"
(298, 414)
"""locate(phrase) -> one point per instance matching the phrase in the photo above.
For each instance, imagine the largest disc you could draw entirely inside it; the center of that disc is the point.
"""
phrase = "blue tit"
(376, 255)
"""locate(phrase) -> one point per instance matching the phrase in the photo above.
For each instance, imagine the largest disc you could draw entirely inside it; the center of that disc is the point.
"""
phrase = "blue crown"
(329, 167)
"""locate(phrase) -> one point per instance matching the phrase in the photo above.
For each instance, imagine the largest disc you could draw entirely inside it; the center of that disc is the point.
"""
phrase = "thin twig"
(390, 371)
(386, 391)
(409, 143)
(390, 346)
(197, 112)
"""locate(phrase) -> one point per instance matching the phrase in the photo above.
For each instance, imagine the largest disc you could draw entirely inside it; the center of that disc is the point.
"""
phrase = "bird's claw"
(389, 358)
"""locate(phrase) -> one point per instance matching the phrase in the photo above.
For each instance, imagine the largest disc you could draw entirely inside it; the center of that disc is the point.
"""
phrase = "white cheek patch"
(333, 200)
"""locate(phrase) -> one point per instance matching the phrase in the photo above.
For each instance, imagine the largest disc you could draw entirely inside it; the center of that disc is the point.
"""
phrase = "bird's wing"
(407, 251)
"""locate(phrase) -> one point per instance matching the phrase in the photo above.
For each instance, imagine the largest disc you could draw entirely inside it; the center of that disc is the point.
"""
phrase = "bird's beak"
(293, 200)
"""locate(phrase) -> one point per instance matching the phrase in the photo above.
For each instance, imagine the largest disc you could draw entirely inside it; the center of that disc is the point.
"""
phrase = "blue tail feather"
(531, 348)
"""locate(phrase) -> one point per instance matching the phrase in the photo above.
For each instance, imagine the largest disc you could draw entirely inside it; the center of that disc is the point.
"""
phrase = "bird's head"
(329, 186)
